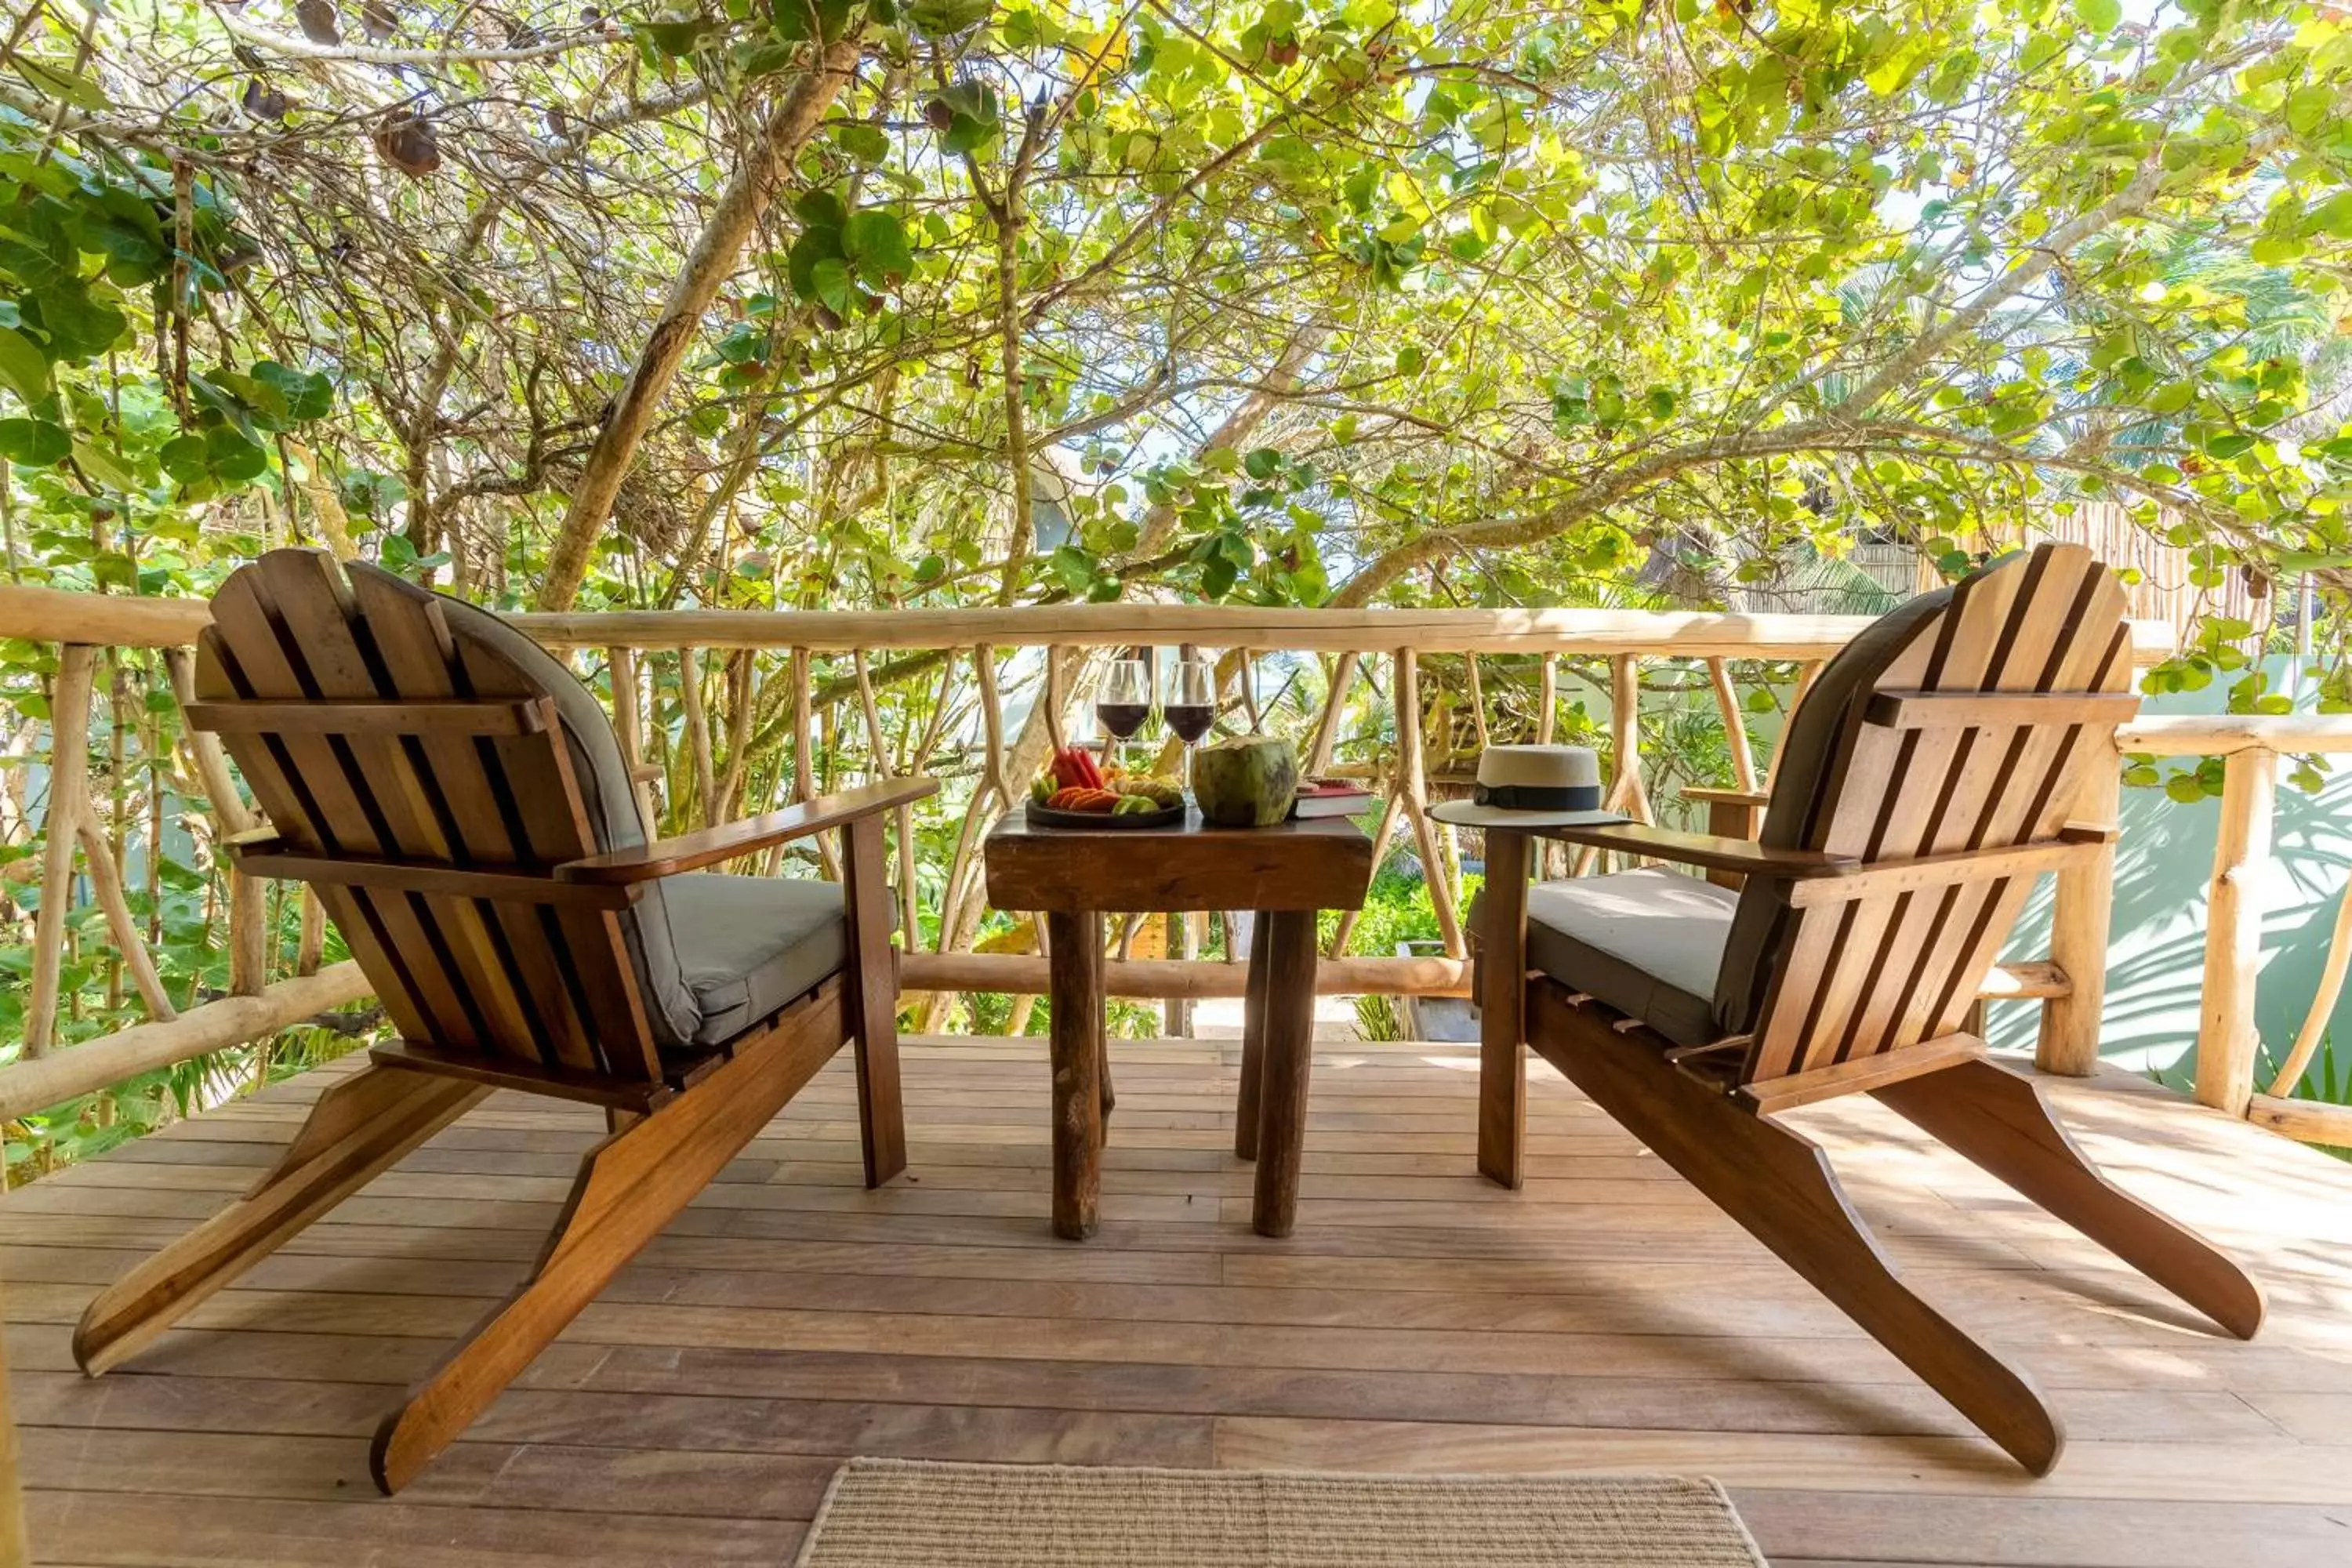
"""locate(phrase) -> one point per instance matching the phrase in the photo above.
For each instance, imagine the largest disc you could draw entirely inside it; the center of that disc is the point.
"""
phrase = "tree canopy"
(798, 302)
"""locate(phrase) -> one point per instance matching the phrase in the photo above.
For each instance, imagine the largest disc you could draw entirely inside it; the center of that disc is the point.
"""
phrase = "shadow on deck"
(1604, 1317)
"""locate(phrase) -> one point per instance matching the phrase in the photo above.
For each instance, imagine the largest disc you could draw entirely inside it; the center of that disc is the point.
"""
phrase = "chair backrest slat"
(526, 982)
(418, 656)
(1859, 978)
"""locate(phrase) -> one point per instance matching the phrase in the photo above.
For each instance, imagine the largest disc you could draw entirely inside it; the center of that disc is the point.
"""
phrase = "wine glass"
(1124, 701)
(1189, 704)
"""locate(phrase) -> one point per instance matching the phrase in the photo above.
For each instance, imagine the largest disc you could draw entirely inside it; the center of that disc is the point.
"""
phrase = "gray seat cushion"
(747, 945)
(1648, 943)
(602, 776)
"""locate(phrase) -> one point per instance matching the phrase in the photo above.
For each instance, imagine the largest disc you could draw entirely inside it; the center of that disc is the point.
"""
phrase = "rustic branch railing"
(695, 709)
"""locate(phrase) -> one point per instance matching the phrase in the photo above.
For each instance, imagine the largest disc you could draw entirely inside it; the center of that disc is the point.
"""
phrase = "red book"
(1331, 797)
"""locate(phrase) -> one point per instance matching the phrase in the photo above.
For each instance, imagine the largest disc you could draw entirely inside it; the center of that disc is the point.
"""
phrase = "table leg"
(1246, 1108)
(1102, 1076)
(1289, 1047)
(1075, 979)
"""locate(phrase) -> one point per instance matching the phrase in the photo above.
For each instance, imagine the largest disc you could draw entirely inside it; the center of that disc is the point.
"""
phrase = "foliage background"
(759, 303)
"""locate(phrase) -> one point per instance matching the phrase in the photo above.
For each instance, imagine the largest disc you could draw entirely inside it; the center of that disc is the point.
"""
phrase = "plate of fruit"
(1075, 791)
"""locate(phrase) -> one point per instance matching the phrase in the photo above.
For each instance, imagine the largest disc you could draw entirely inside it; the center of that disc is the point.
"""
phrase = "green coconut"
(1248, 780)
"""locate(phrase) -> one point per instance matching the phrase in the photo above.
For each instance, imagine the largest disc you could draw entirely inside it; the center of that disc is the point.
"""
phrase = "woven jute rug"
(900, 1513)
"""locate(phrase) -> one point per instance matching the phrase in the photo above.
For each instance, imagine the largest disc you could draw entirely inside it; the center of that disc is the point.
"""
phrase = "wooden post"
(742, 698)
(1550, 856)
(1807, 673)
(248, 914)
(311, 948)
(880, 749)
(1176, 1012)
(68, 778)
(107, 884)
(1625, 791)
(1735, 724)
(1413, 792)
(1327, 729)
(1053, 698)
(2322, 1000)
(697, 734)
(1380, 836)
(1477, 694)
(629, 724)
(2079, 929)
(805, 754)
(2226, 1039)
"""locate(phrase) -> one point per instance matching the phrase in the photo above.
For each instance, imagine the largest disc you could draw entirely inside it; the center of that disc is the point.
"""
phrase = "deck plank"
(1603, 1319)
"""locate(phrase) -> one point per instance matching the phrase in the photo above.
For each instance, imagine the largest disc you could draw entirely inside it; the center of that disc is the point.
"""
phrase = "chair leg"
(873, 1012)
(629, 1187)
(361, 1124)
(1999, 1121)
(1779, 1186)
(1501, 987)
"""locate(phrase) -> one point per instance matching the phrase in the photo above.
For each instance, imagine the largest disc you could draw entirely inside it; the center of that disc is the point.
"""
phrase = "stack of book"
(1331, 798)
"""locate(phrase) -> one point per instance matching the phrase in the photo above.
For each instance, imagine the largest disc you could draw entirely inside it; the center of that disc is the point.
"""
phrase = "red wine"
(1122, 718)
(1189, 720)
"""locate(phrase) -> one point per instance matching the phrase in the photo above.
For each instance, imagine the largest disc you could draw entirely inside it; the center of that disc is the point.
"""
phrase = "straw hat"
(1532, 786)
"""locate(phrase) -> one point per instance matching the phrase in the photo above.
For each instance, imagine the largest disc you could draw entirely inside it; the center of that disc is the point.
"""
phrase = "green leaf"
(306, 396)
(1263, 463)
(105, 468)
(680, 38)
(183, 458)
(22, 367)
(35, 443)
(1410, 359)
(61, 81)
(966, 134)
(812, 249)
(2099, 16)
(820, 209)
(81, 326)
(866, 143)
(1075, 567)
(1217, 577)
(833, 287)
(877, 243)
(940, 18)
(2309, 108)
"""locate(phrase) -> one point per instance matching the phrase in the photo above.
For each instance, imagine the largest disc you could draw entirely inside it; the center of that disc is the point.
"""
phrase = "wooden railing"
(729, 712)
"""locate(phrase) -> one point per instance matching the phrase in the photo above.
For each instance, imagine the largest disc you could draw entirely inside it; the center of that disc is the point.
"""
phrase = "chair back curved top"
(556, 982)
(1866, 774)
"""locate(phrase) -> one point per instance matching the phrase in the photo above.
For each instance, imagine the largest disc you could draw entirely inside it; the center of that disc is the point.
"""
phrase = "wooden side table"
(1286, 873)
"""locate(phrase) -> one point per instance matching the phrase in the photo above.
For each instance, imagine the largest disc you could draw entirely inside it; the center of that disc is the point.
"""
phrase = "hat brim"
(1469, 814)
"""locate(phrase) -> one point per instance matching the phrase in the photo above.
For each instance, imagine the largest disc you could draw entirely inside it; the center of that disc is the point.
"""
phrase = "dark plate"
(1046, 817)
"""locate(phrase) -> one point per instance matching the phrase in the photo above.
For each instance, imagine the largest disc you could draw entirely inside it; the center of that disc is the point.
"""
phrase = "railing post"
(2080, 926)
(68, 773)
(248, 913)
(2226, 1038)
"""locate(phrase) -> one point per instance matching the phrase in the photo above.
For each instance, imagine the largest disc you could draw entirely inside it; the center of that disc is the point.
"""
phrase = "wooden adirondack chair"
(461, 805)
(1924, 784)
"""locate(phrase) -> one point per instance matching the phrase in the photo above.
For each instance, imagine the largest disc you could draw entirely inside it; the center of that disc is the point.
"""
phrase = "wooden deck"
(1605, 1317)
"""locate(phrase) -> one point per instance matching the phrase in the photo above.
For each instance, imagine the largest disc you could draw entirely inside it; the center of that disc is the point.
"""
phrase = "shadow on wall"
(2156, 959)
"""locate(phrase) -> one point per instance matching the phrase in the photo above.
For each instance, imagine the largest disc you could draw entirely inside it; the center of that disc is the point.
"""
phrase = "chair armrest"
(692, 851)
(1707, 850)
